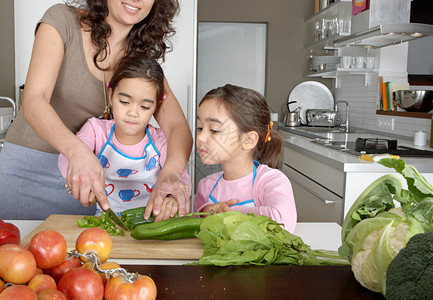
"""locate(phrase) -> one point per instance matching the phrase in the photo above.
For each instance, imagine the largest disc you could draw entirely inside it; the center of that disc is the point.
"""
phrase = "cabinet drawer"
(325, 175)
(314, 203)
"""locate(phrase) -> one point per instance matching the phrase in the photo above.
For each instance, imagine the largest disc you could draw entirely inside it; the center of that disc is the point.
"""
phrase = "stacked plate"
(325, 63)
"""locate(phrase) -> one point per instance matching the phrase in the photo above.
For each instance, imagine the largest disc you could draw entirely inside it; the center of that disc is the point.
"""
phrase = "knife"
(113, 216)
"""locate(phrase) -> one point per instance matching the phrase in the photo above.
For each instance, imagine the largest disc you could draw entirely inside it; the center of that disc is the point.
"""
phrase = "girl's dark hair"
(133, 67)
(250, 111)
(149, 38)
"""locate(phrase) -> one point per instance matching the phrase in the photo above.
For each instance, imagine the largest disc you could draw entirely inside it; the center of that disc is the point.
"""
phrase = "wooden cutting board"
(123, 246)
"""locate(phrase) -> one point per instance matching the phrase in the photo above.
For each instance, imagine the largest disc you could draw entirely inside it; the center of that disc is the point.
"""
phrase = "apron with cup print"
(129, 180)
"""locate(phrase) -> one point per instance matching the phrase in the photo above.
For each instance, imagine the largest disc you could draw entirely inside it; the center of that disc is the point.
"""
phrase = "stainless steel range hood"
(386, 35)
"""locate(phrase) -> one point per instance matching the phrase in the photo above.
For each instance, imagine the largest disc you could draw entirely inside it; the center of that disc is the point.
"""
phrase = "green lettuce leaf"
(232, 238)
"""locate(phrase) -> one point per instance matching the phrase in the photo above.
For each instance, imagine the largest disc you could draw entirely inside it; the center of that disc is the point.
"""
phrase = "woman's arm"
(173, 123)
(84, 171)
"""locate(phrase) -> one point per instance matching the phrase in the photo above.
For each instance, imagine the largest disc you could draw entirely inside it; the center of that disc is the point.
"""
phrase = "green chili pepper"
(170, 229)
(104, 222)
(135, 216)
(85, 223)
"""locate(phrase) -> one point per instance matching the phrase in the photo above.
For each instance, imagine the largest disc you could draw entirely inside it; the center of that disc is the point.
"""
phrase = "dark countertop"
(254, 282)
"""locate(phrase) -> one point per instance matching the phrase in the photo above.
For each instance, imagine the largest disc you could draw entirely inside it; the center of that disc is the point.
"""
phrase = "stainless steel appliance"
(321, 117)
(292, 118)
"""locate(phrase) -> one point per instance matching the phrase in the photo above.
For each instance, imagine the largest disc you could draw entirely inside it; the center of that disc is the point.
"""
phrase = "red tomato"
(51, 295)
(2, 285)
(95, 239)
(20, 292)
(17, 264)
(81, 283)
(117, 288)
(49, 248)
(41, 282)
(58, 271)
(9, 234)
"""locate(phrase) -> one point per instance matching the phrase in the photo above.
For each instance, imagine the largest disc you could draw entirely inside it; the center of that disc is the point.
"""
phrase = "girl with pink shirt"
(131, 151)
(234, 129)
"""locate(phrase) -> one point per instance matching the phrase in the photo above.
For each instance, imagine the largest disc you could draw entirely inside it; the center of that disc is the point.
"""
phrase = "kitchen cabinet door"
(314, 203)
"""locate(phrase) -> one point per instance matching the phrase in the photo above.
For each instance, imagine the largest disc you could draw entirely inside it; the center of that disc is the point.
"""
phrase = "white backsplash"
(362, 103)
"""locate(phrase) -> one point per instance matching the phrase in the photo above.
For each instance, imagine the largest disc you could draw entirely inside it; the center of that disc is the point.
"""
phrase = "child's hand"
(220, 206)
(168, 209)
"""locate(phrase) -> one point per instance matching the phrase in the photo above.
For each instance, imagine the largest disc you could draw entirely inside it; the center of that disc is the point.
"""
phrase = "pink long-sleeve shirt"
(95, 133)
(272, 194)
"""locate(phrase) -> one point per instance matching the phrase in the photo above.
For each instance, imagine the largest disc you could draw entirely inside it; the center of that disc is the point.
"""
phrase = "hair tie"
(268, 138)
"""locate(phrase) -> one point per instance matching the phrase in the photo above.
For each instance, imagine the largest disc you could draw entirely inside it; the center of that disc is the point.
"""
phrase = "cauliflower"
(365, 266)
(374, 230)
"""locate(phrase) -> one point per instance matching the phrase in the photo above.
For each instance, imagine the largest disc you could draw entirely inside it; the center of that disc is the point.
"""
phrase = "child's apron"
(247, 203)
(129, 180)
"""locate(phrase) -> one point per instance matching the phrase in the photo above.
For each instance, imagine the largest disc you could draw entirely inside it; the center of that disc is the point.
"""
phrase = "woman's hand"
(85, 177)
(168, 185)
(220, 206)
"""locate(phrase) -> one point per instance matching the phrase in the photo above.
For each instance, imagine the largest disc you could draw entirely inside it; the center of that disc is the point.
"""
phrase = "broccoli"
(410, 273)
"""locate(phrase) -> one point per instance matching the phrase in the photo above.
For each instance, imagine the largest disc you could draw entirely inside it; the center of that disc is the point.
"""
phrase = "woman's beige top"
(77, 96)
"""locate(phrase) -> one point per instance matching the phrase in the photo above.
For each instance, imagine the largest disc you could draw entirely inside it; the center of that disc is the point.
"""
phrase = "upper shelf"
(341, 72)
(420, 115)
(326, 43)
(331, 23)
(336, 9)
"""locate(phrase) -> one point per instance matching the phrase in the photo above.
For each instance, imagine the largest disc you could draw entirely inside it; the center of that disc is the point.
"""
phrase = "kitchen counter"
(347, 162)
(325, 181)
(318, 235)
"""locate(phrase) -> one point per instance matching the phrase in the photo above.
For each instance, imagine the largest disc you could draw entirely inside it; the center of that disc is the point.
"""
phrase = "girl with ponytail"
(234, 129)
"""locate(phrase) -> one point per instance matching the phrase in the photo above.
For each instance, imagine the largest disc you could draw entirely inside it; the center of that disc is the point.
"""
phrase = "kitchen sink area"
(327, 173)
(331, 133)
(359, 142)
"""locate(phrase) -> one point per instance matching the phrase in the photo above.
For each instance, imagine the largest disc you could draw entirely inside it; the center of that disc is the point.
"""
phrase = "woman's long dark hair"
(250, 111)
(149, 38)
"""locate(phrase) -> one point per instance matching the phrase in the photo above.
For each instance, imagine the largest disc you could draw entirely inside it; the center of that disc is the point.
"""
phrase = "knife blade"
(113, 216)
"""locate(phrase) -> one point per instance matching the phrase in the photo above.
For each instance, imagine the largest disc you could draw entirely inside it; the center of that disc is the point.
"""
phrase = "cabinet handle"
(326, 201)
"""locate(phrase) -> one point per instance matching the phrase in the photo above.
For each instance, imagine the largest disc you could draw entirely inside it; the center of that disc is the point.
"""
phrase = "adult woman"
(74, 54)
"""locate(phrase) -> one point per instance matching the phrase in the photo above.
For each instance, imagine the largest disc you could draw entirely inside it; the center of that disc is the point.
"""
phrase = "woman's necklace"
(107, 111)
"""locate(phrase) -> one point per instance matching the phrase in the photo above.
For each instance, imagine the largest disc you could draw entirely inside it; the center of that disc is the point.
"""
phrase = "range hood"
(386, 35)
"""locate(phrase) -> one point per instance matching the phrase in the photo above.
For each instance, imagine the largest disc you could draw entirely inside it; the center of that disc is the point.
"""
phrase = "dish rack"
(6, 120)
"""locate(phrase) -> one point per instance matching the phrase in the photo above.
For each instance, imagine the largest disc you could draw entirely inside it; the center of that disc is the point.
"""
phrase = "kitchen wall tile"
(362, 107)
